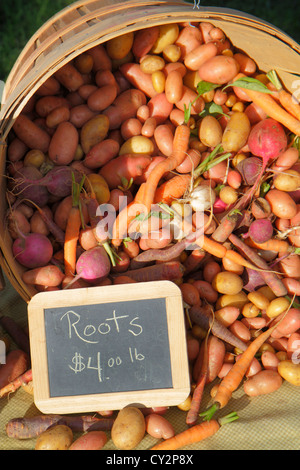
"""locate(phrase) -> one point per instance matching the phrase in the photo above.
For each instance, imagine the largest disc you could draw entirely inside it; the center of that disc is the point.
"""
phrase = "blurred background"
(20, 19)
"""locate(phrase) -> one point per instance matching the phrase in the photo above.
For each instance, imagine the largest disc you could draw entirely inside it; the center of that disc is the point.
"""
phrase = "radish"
(28, 186)
(33, 250)
(267, 140)
(260, 231)
(92, 265)
(58, 181)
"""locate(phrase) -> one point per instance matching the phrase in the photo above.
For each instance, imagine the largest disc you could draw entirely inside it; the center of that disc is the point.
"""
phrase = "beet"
(33, 250)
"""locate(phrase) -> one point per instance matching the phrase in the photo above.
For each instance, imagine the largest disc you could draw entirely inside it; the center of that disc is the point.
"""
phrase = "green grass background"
(19, 19)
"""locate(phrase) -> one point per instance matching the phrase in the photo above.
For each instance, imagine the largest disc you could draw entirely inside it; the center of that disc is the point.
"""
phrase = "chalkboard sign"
(103, 348)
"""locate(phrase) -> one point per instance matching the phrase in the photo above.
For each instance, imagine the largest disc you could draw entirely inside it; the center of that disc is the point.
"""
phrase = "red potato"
(220, 69)
(101, 98)
(58, 115)
(144, 41)
(50, 276)
(158, 426)
(227, 315)
(142, 81)
(264, 382)
(157, 239)
(210, 270)
(164, 136)
(290, 266)
(282, 205)
(286, 159)
(159, 108)
(290, 323)
(146, 172)
(189, 293)
(64, 144)
(190, 96)
(30, 134)
(101, 153)
(92, 440)
(125, 166)
(269, 360)
(101, 60)
(81, 114)
(254, 112)
(86, 90)
(193, 348)
(69, 77)
(124, 107)
(293, 347)
(50, 87)
(16, 150)
(149, 126)
(189, 38)
(47, 104)
(247, 65)
(206, 291)
(200, 55)
(190, 162)
(17, 362)
(240, 331)
(174, 86)
(130, 127)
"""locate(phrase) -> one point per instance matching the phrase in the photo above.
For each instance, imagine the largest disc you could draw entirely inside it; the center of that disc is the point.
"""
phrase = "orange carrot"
(196, 433)
(180, 147)
(225, 228)
(288, 101)
(172, 189)
(274, 244)
(72, 231)
(16, 383)
(272, 108)
(234, 377)
(126, 215)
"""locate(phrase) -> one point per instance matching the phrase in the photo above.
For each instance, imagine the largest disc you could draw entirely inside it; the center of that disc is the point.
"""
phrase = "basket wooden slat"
(86, 24)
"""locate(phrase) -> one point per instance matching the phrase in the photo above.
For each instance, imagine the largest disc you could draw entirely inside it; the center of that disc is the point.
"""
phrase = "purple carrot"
(156, 272)
(270, 278)
(205, 319)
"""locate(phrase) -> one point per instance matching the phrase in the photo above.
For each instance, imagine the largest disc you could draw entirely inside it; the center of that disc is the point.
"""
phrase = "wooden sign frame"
(116, 400)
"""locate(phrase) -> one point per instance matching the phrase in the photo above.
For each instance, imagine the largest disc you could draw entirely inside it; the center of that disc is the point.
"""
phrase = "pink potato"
(219, 69)
(264, 382)
(92, 440)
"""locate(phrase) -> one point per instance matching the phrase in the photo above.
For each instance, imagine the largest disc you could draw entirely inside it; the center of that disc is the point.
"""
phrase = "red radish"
(260, 230)
(266, 140)
(33, 250)
(92, 265)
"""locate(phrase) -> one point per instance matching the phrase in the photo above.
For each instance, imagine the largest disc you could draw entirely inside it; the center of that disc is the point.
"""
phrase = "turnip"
(27, 185)
(33, 250)
(92, 265)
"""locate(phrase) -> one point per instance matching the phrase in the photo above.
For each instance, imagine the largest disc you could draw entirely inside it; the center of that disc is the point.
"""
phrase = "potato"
(290, 371)
(129, 428)
(57, 437)
(265, 381)
(226, 282)
(93, 132)
(236, 132)
(210, 131)
(168, 33)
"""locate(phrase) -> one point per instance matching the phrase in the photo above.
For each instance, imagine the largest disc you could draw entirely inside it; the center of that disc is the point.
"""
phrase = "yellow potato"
(168, 33)
(226, 282)
(99, 185)
(290, 371)
(289, 180)
(93, 132)
(236, 132)
(237, 300)
(129, 428)
(152, 63)
(57, 437)
(119, 47)
(210, 131)
(137, 144)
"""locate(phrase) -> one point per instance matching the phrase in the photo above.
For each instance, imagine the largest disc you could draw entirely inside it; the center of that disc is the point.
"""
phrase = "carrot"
(17, 362)
(234, 377)
(27, 428)
(270, 278)
(196, 433)
(273, 109)
(74, 224)
(126, 215)
(273, 244)
(193, 260)
(162, 271)
(200, 316)
(172, 189)
(180, 147)
(16, 332)
(192, 414)
(286, 99)
(225, 228)
(22, 379)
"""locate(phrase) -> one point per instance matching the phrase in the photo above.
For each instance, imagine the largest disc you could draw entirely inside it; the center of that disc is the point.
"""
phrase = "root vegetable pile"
(166, 154)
